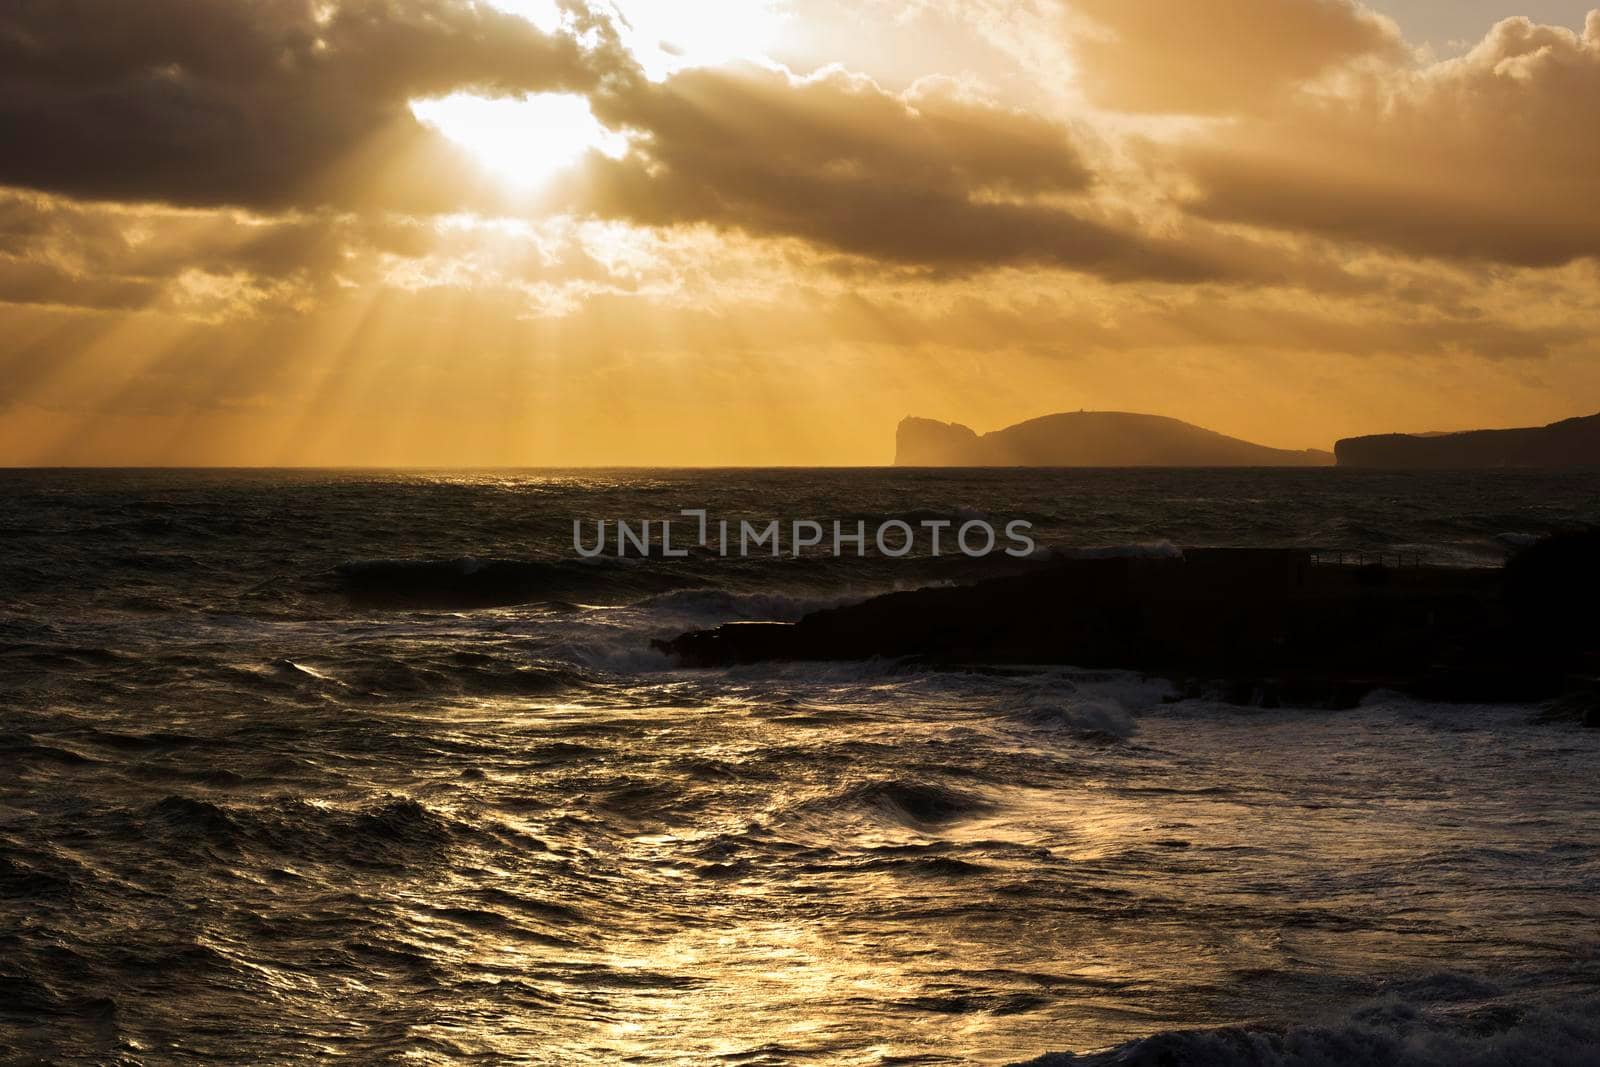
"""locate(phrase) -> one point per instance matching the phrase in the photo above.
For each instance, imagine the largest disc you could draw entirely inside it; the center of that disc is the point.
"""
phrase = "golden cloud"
(1486, 157)
(1220, 56)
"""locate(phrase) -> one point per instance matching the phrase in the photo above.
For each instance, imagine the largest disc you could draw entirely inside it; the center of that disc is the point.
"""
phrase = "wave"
(21, 748)
(468, 583)
(1392, 1033)
(386, 832)
(914, 803)
(1093, 718)
(413, 672)
(720, 605)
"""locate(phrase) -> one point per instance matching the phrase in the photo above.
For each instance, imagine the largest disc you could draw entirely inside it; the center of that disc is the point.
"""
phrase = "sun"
(528, 140)
(524, 141)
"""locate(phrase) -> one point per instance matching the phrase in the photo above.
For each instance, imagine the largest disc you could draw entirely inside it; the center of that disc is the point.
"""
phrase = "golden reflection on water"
(715, 883)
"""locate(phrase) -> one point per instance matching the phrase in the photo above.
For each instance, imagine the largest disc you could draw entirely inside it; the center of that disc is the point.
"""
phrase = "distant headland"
(1089, 439)
(1125, 439)
(1570, 443)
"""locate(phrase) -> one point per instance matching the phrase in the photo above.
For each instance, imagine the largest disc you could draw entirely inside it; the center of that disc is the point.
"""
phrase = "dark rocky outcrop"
(1088, 439)
(1255, 626)
(1572, 443)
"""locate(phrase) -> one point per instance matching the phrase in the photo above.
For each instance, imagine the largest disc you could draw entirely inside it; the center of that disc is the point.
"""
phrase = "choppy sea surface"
(280, 783)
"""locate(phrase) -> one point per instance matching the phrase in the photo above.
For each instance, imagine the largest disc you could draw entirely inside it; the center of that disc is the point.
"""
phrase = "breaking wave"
(1392, 1034)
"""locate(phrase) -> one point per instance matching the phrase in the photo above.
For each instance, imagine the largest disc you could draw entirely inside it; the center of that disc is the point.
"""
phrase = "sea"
(301, 767)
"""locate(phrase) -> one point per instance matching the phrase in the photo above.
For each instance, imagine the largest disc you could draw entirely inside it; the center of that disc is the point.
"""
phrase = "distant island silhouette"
(1127, 439)
(1089, 439)
(1569, 443)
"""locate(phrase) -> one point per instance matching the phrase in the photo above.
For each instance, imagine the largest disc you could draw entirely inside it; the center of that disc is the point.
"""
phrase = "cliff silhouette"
(1570, 443)
(1088, 439)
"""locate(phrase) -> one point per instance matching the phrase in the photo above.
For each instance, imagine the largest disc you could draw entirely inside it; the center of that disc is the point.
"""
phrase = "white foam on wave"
(719, 605)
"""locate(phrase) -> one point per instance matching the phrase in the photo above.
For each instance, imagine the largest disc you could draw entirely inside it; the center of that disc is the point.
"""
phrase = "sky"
(1454, 26)
(748, 232)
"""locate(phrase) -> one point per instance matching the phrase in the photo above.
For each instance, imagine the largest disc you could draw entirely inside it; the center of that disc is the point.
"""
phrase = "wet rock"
(1258, 627)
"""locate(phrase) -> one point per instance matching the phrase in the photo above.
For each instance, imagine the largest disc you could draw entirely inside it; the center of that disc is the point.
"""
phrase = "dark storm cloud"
(265, 103)
(933, 178)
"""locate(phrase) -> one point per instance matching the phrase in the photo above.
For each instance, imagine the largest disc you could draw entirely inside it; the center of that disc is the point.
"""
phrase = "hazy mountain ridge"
(1568, 443)
(1088, 439)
